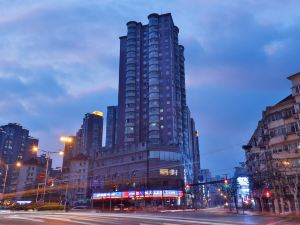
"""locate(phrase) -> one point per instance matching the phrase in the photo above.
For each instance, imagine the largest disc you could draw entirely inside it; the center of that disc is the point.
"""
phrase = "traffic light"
(115, 188)
(51, 183)
(226, 183)
(267, 194)
(187, 187)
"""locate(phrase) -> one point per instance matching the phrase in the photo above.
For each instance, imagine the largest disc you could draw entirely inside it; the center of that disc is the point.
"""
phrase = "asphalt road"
(89, 218)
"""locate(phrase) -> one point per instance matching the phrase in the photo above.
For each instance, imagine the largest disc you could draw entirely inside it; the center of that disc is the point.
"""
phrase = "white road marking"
(79, 220)
(26, 218)
(193, 220)
(62, 219)
(277, 222)
(172, 219)
(161, 219)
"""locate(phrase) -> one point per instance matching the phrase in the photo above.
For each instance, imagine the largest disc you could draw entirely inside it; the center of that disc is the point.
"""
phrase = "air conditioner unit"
(296, 116)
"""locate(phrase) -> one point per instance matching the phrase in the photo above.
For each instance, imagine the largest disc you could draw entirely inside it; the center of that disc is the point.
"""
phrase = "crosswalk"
(36, 218)
(73, 218)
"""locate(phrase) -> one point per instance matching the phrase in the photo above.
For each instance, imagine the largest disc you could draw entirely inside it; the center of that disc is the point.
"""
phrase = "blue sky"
(59, 60)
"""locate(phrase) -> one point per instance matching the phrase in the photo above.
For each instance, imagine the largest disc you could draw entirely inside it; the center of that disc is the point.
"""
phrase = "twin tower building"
(151, 140)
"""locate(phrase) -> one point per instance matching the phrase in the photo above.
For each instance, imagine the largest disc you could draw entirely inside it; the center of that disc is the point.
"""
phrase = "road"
(93, 218)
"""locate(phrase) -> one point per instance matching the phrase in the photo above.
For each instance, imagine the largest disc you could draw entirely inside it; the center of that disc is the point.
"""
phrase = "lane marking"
(25, 218)
(169, 218)
(79, 220)
(277, 222)
(64, 219)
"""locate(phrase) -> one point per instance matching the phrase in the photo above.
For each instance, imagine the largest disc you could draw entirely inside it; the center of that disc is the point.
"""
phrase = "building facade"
(77, 155)
(92, 131)
(152, 97)
(16, 146)
(272, 155)
(77, 180)
(111, 127)
(157, 142)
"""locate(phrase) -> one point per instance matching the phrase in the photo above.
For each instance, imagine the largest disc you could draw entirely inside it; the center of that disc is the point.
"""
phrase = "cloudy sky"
(59, 60)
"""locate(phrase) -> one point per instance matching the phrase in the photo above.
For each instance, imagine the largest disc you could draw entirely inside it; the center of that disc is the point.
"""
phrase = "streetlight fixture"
(65, 140)
(286, 163)
(48, 153)
(35, 149)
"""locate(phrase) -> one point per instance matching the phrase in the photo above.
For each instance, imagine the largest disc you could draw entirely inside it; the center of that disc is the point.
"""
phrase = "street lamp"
(35, 149)
(286, 163)
(18, 165)
(48, 153)
(65, 140)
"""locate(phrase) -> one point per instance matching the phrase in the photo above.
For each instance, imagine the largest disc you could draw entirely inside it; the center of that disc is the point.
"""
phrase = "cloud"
(274, 47)
(59, 59)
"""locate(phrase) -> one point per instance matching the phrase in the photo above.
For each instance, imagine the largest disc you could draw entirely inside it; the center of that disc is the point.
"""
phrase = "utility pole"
(5, 178)
(18, 165)
(66, 197)
(46, 175)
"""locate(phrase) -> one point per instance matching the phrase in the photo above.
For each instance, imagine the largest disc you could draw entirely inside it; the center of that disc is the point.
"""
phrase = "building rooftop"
(290, 97)
(293, 76)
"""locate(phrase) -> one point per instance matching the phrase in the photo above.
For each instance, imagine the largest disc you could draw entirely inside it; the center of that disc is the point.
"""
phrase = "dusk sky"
(59, 60)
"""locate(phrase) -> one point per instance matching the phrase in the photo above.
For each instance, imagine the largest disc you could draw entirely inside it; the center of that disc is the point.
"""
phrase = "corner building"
(273, 155)
(156, 136)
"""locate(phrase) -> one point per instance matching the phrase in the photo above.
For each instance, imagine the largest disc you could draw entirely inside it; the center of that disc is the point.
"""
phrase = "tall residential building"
(152, 97)
(111, 127)
(16, 146)
(92, 133)
(272, 154)
(78, 153)
(69, 152)
(157, 146)
(2, 135)
(196, 162)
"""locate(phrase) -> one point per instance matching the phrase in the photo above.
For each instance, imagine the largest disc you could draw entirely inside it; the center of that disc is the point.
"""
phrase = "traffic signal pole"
(212, 182)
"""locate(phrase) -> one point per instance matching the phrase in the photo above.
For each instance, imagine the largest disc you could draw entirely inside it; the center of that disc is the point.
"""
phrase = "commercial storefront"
(138, 199)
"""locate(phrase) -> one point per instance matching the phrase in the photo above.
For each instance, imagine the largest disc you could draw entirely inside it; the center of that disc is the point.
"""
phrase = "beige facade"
(76, 180)
(273, 154)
